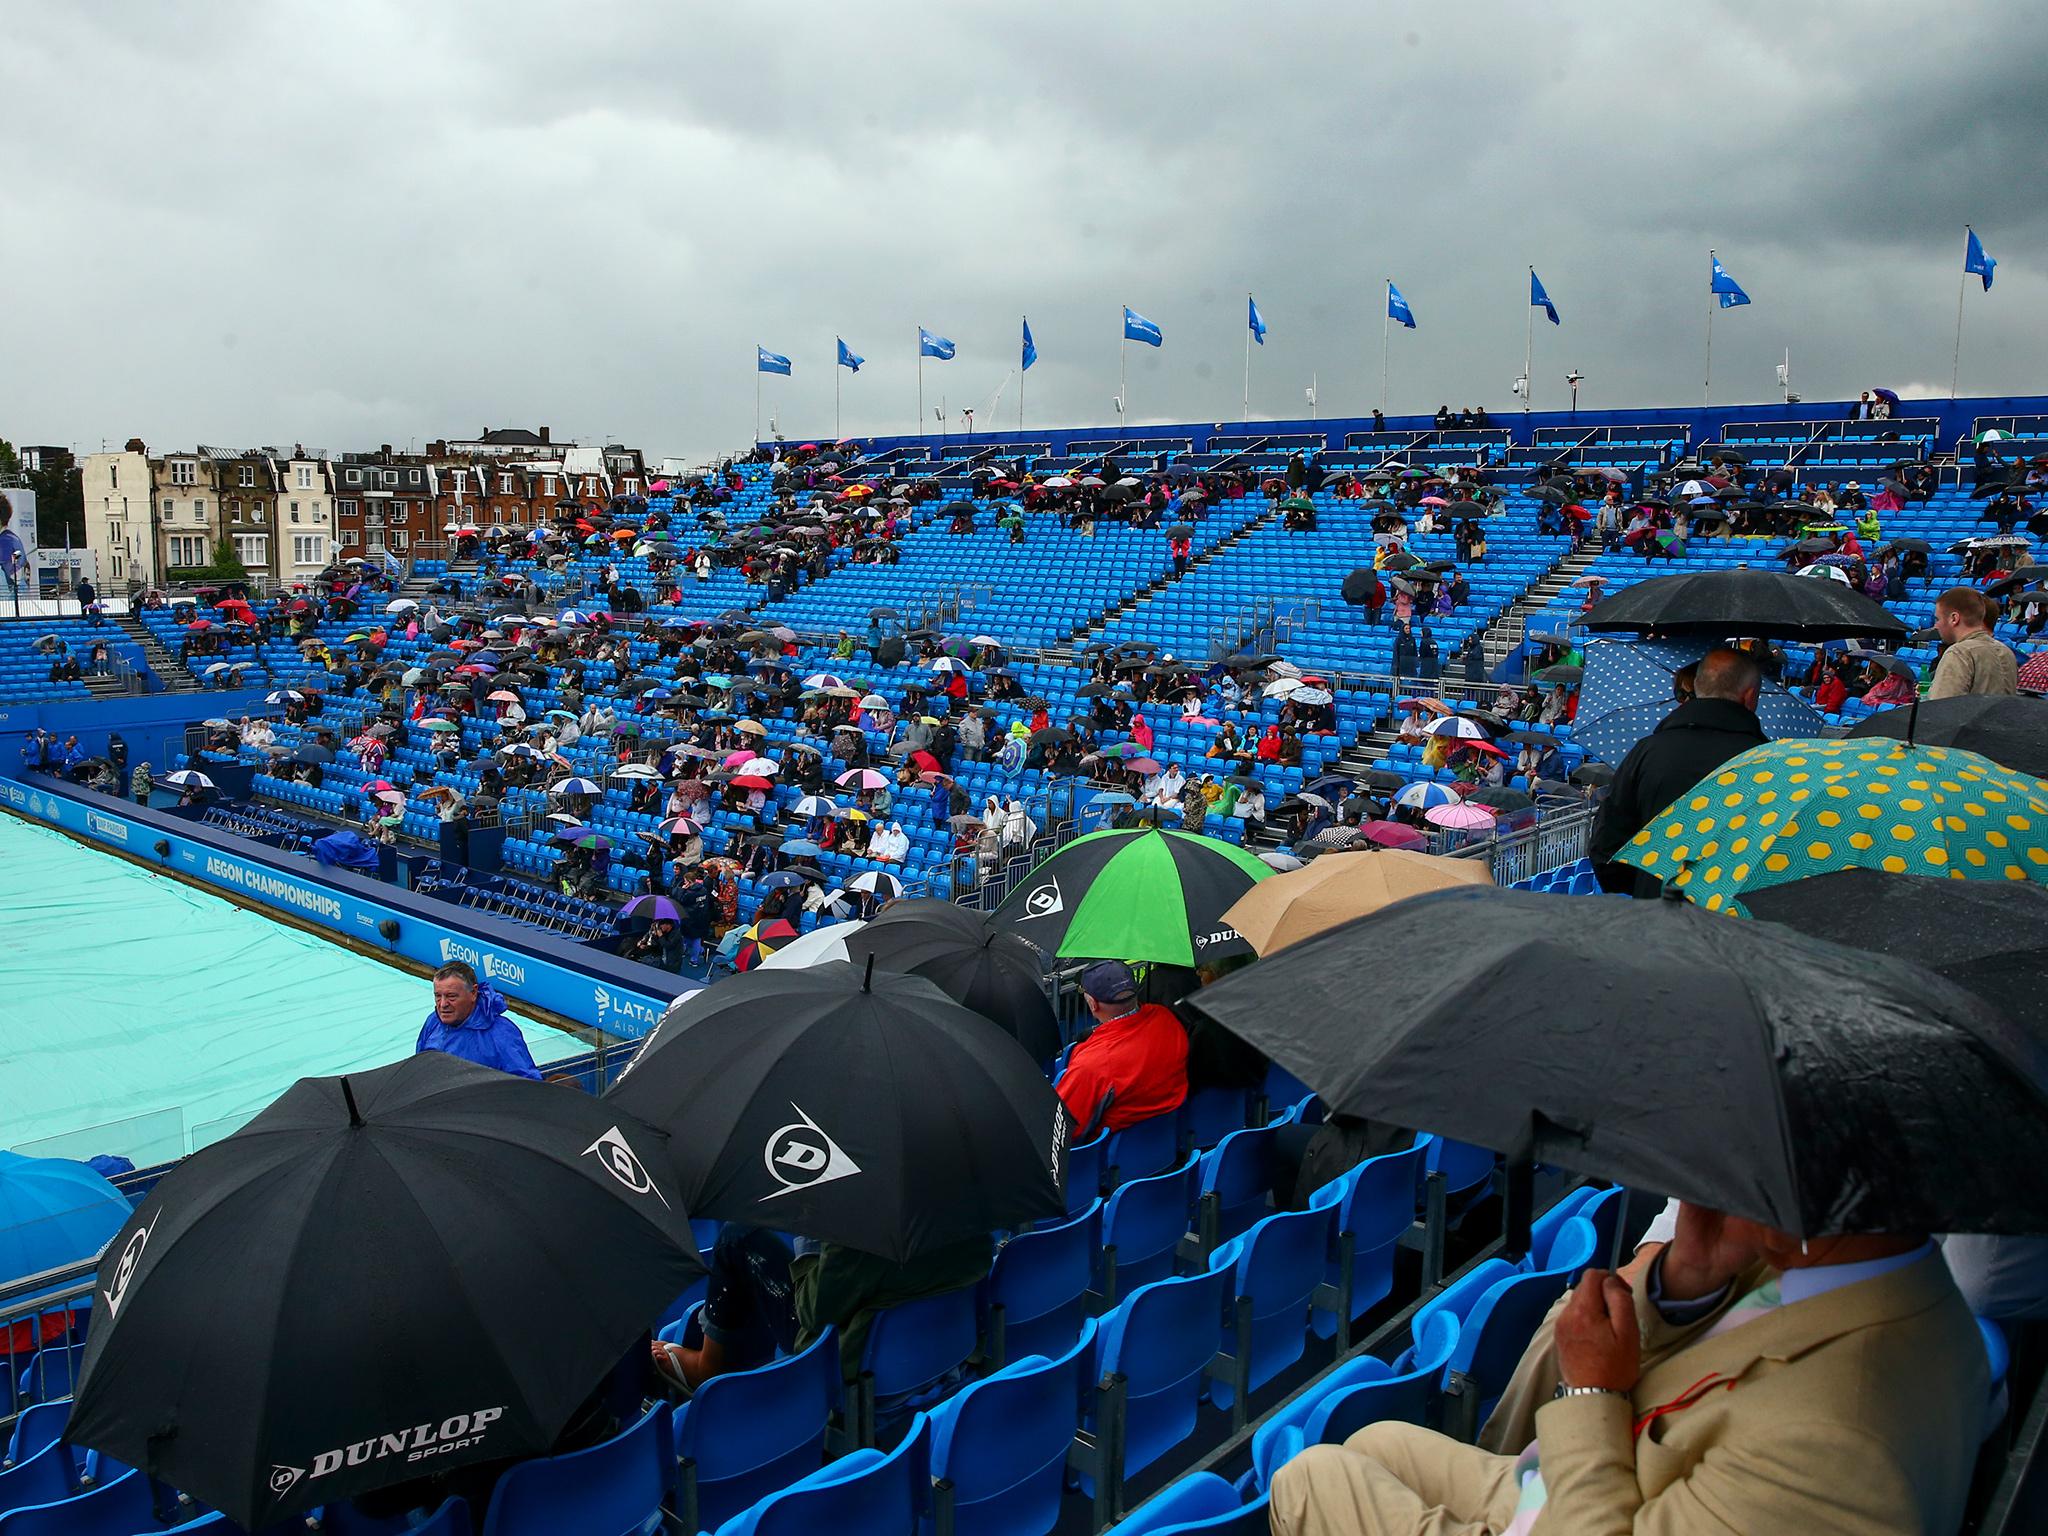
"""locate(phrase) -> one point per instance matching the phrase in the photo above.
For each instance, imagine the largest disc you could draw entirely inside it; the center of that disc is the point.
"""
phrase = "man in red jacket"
(1136, 1058)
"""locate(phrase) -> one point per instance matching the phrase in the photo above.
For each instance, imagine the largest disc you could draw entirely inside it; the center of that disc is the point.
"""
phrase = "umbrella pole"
(1955, 366)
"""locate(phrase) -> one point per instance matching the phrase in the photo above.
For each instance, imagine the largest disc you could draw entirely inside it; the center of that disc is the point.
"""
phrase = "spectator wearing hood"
(469, 1020)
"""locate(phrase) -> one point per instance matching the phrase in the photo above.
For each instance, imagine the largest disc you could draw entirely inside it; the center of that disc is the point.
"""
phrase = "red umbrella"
(752, 781)
(200, 624)
(924, 762)
(1391, 834)
(2034, 674)
(760, 941)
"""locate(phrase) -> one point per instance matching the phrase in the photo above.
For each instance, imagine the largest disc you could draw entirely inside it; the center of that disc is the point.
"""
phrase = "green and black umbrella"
(1143, 894)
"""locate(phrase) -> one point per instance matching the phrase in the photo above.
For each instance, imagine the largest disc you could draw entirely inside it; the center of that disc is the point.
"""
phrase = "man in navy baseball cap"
(1133, 1065)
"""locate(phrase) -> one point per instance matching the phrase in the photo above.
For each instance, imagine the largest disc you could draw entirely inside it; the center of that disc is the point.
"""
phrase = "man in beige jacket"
(1747, 1384)
(1973, 659)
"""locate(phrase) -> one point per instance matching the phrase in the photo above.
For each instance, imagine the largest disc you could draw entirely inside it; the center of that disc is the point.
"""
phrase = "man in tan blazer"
(1748, 1384)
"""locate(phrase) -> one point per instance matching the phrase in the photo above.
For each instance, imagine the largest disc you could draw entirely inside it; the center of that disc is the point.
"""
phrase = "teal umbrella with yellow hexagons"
(1792, 809)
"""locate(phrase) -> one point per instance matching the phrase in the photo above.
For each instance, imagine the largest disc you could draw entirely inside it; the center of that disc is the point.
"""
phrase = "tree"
(225, 565)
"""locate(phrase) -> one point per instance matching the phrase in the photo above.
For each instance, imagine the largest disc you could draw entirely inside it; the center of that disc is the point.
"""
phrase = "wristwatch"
(1565, 1391)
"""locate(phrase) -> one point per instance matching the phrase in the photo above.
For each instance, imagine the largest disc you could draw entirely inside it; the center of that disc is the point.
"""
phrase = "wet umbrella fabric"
(1338, 887)
(1630, 687)
(1144, 894)
(484, 1248)
(864, 1109)
(1854, 1093)
(2011, 731)
(969, 959)
(1990, 938)
(1742, 602)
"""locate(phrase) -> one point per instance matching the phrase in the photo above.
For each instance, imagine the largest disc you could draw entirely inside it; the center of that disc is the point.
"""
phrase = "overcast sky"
(347, 224)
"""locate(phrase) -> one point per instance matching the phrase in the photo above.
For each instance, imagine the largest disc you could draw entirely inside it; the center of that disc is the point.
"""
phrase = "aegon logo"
(623, 1164)
(457, 1432)
(484, 962)
(1044, 900)
(116, 1290)
(801, 1156)
(106, 826)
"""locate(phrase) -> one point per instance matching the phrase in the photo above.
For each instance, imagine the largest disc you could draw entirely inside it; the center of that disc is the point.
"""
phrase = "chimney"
(543, 434)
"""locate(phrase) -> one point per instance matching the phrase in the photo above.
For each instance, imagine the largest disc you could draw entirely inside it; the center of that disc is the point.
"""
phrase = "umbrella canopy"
(1424, 794)
(1791, 809)
(186, 778)
(1739, 601)
(1142, 894)
(53, 1212)
(760, 940)
(1630, 687)
(1338, 887)
(971, 960)
(652, 908)
(2011, 731)
(814, 948)
(862, 778)
(1988, 937)
(1854, 1093)
(444, 1206)
(853, 1106)
(1462, 817)
(875, 882)
(575, 786)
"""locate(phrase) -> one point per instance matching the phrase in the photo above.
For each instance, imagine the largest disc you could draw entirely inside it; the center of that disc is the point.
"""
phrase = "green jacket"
(844, 1288)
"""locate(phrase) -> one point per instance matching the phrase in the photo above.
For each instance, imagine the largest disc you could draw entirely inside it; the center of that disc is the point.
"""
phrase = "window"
(391, 477)
(295, 511)
(461, 481)
(399, 512)
(184, 472)
(199, 508)
(118, 573)
(233, 508)
(547, 485)
(187, 549)
(254, 549)
(355, 477)
(504, 485)
(398, 540)
(305, 477)
(308, 549)
(345, 508)
(248, 477)
(114, 477)
(169, 508)
(256, 513)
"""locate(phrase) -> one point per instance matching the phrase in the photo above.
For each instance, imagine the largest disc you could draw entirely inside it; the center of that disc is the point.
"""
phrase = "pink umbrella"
(734, 759)
(1434, 501)
(1391, 834)
(1141, 765)
(1461, 818)
(862, 778)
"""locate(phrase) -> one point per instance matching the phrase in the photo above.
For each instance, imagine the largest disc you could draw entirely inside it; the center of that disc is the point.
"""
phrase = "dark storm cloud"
(239, 222)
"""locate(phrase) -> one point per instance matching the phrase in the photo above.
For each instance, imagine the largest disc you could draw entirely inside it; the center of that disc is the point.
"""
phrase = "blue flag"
(1138, 328)
(1977, 260)
(769, 362)
(1030, 346)
(1539, 299)
(848, 358)
(929, 345)
(1397, 307)
(1729, 290)
(1258, 321)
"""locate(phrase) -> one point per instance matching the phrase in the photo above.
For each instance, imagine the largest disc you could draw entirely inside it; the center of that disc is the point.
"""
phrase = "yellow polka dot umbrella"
(1791, 809)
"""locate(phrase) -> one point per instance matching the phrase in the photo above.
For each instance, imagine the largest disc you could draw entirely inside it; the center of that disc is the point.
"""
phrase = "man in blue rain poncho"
(470, 1021)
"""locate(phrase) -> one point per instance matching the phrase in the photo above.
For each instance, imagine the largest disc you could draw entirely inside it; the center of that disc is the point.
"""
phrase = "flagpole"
(757, 402)
(1386, 332)
(1247, 359)
(1955, 367)
(836, 371)
(1529, 355)
(1707, 385)
(920, 381)
(1123, 404)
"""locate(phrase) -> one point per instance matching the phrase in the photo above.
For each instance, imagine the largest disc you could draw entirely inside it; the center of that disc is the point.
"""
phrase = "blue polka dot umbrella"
(1789, 810)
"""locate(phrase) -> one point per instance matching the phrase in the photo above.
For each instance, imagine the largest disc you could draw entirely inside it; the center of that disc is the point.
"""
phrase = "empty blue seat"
(39, 1425)
(999, 1447)
(41, 1477)
(746, 1434)
(1141, 1150)
(1237, 1181)
(1156, 1349)
(1084, 1174)
(1202, 1504)
(609, 1490)
(868, 1493)
(1275, 1268)
(118, 1507)
(1211, 1114)
(1143, 1222)
(1037, 1294)
(1373, 1207)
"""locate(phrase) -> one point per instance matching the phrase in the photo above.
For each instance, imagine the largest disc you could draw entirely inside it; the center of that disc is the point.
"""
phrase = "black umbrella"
(430, 1257)
(2009, 730)
(1743, 602)
(1569, 676)
(1849, 1093)
(312, 753)
(1094, 690)
(868, 1110)
(1592, 774)
(1360, 584)
(1181, 531)
(996, 974)
(1989, 937)
(1909, 546)
(1500, 798)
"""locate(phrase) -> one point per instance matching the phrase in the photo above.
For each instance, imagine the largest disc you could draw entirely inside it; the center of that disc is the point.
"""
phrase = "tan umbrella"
(1337, 887)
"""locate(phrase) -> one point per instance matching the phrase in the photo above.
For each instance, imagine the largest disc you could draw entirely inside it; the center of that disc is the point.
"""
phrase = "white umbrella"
(636, 771)
(814, 948)
(188, 778)
(400, 605)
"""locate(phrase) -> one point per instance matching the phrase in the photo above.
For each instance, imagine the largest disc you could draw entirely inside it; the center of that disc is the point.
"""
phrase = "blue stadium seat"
(1203, 1503)
(614, 1489)
(1037, 1293)
(1141, 1150)
(1237, 1182)
(120, 1506)
(1275, 1268)
(867, 1493)
(1361, 1391)
(41, 1477)
(748, 1433)
(1156, 1349)
(1211, 1114)
(1143, 1223)
(999, 1447)
(39, 1425)
(911, 1348)
(1084, 1174)
(1374, 1206)
(1496, 1332)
